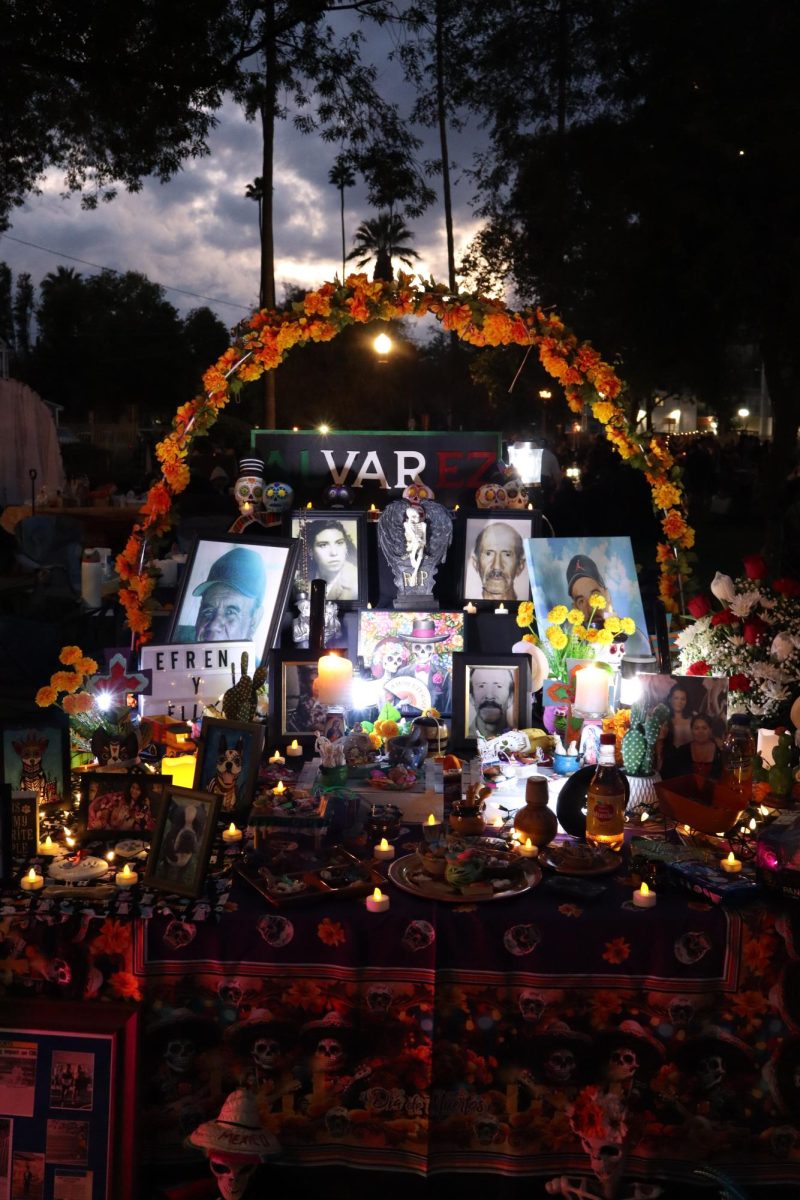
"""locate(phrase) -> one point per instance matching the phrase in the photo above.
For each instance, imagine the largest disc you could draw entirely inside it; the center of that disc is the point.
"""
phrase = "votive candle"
(591, 689)
(378, 901)
(383, 851)
(295, 750)
(48, 848)
(231, 834)
(127, 877)
(277, 759)
(731, 864)
(527, 849)
(643, 897)
(32, 882)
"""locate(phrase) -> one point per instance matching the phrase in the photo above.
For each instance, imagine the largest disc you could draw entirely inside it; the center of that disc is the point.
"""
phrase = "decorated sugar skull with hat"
(235, 1143)
(424, 638)
(231, 598)
(249, 486)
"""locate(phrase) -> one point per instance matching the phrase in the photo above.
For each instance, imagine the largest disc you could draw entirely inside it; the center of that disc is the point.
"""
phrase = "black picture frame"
(181, 840)
(463, 730)
(281, 663)
(220, 739)
(347, 597)
(109, 809)
(5, 833)
(526, 523)
(52, 725)
(277, 557)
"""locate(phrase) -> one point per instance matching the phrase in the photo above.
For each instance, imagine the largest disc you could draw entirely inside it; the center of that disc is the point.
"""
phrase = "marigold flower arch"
(266, 338)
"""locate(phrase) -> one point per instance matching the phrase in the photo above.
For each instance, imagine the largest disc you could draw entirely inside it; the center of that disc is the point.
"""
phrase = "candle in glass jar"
(591, 689)
(231, 834)
(294, 750)
(377, 902)
(383, 851)
(126, 878)
(334, 679)
(32, 881)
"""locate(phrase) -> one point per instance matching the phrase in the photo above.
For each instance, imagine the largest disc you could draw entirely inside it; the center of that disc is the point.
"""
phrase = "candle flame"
(231, 828)
(528, 844)
(295, 744)
(498, 822)
(31, 875)
(377, 894)
(126, 870)
(110, 856)
(644, 889)
(48, 841)
(752, 824)
(431, 819)
(383, 844)
(280, 787)
(730, 858)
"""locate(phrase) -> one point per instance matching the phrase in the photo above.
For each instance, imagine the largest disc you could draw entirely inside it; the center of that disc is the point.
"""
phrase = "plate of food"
(473, 873)
(579, 858)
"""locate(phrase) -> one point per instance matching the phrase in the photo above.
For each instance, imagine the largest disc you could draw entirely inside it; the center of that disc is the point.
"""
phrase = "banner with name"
(186, 677)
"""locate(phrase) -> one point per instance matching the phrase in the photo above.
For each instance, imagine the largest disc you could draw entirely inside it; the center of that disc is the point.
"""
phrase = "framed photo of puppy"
(119, 804)
(228, 757)
(181, 844)
(34, 754)
(491, 694)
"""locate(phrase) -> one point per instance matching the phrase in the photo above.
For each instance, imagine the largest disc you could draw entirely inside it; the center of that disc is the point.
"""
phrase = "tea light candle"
(372, 513)
(383, 851)
(643, 897)
(32, 881)
(231, 834)
(470, 608)
(501, 610)
(295, 750)
(48, 848)
(527, 849)
(247, 508)
(731, 864)
(126, 878)
(277, 759)
(377, 902)
(591, 689)
(280, 790)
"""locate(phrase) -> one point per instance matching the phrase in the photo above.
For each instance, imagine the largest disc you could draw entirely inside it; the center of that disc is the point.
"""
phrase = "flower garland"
(265, 339)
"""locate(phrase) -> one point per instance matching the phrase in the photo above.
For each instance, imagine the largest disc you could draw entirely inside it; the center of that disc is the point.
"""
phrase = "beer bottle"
(605, 800)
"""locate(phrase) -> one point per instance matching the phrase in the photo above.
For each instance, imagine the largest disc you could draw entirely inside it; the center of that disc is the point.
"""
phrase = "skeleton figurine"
(599, 1120)
(234, 1144)
(414, 539)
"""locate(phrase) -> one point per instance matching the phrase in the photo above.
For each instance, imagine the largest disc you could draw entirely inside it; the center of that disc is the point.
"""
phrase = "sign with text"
(184, 677)
(372, 463)
(24, 824)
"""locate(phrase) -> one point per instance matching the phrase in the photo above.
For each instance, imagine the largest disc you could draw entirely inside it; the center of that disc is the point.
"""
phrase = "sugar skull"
(521, 939)
(418, 935)
(516, 493)
(179, 934)
(249, 493)
(491, 495)
(278, 497)
(417, 491)
(276, 931)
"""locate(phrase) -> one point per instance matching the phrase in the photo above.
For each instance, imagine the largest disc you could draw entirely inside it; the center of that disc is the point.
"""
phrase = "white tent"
(28, 441)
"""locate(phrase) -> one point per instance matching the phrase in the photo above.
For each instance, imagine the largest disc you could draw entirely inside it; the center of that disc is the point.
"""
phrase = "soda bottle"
(605, 800)
(738, 750)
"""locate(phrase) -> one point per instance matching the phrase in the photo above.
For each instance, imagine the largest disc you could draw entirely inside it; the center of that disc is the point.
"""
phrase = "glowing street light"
(382, 347)
(744, 413)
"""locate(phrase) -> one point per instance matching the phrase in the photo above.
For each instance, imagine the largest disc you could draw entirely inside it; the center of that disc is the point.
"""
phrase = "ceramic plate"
(130, 847)
(602, 862)
(68, 870)
(407, 873)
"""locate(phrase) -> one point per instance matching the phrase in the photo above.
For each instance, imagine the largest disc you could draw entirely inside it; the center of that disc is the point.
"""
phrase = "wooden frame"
(518, 707)
(526, 524)
(182, 840)
(109, 807)
(39, 1031)
(281, 662)
(228, 757)
(270, 578)
(50, 726)
(347, 592)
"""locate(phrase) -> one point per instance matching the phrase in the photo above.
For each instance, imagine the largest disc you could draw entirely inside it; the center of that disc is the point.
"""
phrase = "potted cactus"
(638, 757)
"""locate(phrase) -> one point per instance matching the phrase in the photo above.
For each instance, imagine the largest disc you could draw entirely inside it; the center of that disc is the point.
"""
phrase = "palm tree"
(341, 176)
(383, 238)
(255, 191)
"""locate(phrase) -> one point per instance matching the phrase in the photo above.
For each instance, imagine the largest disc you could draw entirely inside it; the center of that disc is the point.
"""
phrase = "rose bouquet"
(753, 638)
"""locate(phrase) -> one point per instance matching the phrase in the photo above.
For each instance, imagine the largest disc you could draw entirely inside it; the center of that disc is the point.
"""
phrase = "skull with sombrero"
(234, 1143)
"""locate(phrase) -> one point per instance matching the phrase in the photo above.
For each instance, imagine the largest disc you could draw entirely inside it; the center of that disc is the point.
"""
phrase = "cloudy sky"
(199, 233)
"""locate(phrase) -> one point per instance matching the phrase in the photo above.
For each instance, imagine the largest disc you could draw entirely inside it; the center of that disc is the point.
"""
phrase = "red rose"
(699, 606)
(787, 587)
(725, 617)
(739, 683)
(698, 668)
(754, 566)
(753, 631)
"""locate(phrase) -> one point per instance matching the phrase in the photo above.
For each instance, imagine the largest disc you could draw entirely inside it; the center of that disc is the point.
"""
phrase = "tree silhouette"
(383, 238)
(341, 176)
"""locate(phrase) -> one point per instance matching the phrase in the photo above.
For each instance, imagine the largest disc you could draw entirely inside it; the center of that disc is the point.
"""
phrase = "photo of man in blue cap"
(231, 599)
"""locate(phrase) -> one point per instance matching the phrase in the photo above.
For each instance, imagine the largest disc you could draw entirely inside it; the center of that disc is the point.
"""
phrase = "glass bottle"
(738, 750)
(605, 799)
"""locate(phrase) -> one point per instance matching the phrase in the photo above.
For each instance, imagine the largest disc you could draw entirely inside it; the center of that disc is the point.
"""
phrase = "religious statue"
(414, 538)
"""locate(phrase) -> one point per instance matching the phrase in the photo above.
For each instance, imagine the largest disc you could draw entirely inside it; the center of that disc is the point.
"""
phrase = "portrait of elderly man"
(496, 567)
(492, 701)
(231, 599)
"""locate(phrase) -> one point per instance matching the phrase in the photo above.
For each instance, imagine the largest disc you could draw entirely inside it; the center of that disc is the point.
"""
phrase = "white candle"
(501, 610)
(247, 508)
(644, 898)
(277, 759)
(767, 741)
(731, 864)
(280, 790)
(32, 881)
(334, 679)
(126, 878)
(377, 902)
(48, 848)
(591, 689)
(231, 834)
(470, 608)
(527, 849)
(383, 851)
(295, 750)
(181, 768)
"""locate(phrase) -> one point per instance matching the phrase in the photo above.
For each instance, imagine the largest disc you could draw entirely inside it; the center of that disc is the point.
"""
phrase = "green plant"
(639, 743)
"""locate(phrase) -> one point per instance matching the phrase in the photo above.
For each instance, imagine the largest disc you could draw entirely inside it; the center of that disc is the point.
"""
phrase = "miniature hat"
(242, 1034)
(332, 1023)
(251, 466)
(237, 1131)
(583, 567)
(241, 569)
(423, 630)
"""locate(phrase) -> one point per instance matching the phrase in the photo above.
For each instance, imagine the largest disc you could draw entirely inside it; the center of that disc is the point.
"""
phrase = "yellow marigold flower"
(556, 637)
(387, 729)
(525, 614)
(530, 637)
(673, 524)
(604, 637)
(613, 625)
(627, 625)
(575, 616)
(603, 411)
(375, 740)
(69, 655)
(579, 633)
(666, 495)
(558, 614)
(46, 696)
(598, 600)
(591, 635)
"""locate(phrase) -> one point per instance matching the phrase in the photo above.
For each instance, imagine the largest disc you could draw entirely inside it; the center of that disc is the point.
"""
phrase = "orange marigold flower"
(69, 655)
(617, 950)
(673, 525)
(317, 302)
(497, 329)
(114, 938)
(159, 499)
(125, 985)
(46, 696)
(666, 495)
(66, 681)
(81, 702)
(331, 932)
(87, 666)
(570, 910)
(603, 411)
(663, 553)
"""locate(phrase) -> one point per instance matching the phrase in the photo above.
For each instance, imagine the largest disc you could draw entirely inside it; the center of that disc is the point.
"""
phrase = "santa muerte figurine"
(235, 1143)
(414, 535)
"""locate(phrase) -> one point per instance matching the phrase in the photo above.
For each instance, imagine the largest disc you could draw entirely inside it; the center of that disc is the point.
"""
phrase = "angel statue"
(414, 539)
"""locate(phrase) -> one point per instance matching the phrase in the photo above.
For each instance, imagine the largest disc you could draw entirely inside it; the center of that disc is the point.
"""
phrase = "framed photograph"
(491, 694)
(5, 831)
(181, 844)
(228, 758)
(119, 804)
(34, 754)
(294, 709)
(494, 557)
(570, 571)
(410, 656)
(690, 738)
(331, 546)
(68, 1084)
(234, 590)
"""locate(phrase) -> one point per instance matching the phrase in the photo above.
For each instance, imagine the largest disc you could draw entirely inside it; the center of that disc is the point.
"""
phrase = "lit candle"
(644, 898)
(277, 759)
(377, 902)
(528, 850)
(112, 854)
(383, 851)
(591, 689)
(231, 834)
(48, 848)
(497, 822)
(372, 513)
(431, 820)
(181, 768)
(32, 881)
(126, 878)
(731, 864)
(295, 750)
(247, 509)
(69, 840)
(767, 741)
(470, 608)
(280, 789)
(334, 679)
(501, 610)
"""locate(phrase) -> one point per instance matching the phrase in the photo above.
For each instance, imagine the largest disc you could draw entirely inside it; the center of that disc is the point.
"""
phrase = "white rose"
(722, 588)
(782, 646)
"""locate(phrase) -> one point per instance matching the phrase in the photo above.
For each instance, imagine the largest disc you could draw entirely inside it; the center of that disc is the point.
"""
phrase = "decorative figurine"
(278, 497)
(414, 539)
(241, 701)
(302, 622)
(235, 1143)
(780, 775)
(249, 487)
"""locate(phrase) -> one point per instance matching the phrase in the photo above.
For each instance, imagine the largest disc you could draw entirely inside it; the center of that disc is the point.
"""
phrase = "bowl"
(566, 764)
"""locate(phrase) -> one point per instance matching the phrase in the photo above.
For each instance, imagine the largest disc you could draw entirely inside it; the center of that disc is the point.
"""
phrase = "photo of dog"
(228, 758)
(31, 748)
(182, 841)
(227, 775)
(34, 755)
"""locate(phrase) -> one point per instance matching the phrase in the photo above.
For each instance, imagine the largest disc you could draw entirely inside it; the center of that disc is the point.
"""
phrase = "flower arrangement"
(568, 635)
(753, 637)
(71, 690)
(263, 341)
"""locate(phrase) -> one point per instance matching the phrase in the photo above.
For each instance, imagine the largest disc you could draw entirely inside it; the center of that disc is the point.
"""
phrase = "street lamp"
(382, 347)
(743, 414)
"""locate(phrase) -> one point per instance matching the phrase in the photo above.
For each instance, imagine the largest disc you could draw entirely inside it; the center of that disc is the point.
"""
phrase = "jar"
(466, 818)
(536, 821)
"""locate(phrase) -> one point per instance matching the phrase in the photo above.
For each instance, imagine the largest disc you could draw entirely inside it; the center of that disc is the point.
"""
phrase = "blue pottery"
(566, 764)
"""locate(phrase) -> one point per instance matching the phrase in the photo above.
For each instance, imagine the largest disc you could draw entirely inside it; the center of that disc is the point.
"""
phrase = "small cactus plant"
(240, 701)
(639, 743)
